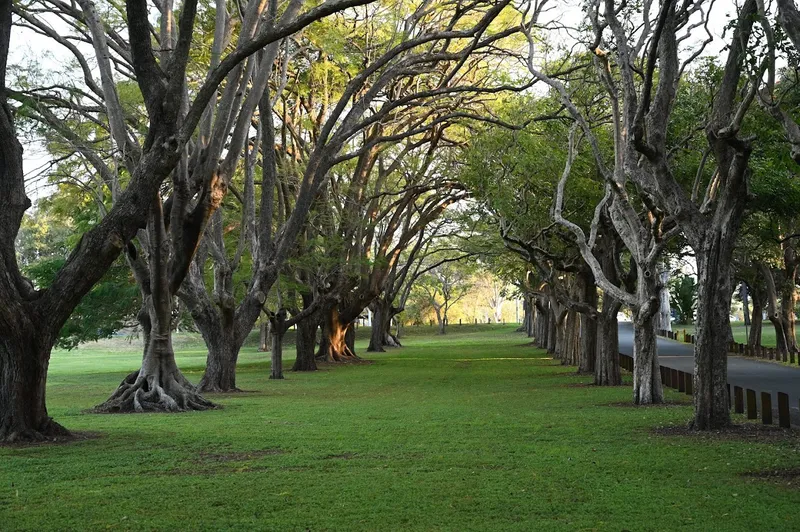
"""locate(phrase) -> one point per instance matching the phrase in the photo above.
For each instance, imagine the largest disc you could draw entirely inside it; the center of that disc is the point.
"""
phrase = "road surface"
(745, 372)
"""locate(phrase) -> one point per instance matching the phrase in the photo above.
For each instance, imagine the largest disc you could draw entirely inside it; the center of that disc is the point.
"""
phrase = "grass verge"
(472, 431)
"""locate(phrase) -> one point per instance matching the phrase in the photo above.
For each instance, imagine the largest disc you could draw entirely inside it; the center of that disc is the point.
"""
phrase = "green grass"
(472, 431)
(739, 332)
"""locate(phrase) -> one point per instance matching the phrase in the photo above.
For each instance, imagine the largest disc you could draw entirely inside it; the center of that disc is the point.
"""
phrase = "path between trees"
(754, 374)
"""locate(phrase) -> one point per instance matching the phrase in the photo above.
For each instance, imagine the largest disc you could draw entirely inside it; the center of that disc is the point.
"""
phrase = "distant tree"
(445, 286)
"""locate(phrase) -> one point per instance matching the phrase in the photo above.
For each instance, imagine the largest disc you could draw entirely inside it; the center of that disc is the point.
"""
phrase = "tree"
(30, 319)
(444, 286)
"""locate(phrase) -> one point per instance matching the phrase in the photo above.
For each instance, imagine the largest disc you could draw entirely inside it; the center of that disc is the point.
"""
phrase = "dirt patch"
(578, 385)
(73, 437)
(751, 432)
(785, 477)
(205, 457)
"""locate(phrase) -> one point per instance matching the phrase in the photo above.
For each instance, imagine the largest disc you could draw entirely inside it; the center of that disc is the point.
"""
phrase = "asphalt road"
(745, 372)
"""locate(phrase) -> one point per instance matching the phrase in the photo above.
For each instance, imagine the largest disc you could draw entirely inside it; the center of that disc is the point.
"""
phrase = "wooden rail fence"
(743, 399)
(755, 351)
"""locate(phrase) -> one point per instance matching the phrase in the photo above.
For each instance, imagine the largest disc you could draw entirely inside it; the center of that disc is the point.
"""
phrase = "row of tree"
(241, 158)
(651, 152)
(230, 160)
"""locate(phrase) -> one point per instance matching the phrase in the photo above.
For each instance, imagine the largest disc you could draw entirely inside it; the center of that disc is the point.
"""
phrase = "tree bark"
(24, 357)
(607, 370)
(588, 324)
(756, 322)
(381, 321)
(264, 336)
(334, 346)
(220, 373)
(711, 350)
(552, 332)
(158, 386)
(646, 373)
(278, 323)
(305, 344)
(773, 311)
(664, 310)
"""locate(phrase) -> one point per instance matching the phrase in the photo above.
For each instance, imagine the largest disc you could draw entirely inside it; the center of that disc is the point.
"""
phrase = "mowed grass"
(472, 431)
(740, 332)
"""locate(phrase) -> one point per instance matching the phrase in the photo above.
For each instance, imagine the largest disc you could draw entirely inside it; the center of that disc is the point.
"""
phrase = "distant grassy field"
(475, 430)
(740, 334)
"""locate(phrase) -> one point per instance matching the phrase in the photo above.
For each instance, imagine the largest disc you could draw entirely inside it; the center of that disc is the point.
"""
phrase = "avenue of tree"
(227, 166)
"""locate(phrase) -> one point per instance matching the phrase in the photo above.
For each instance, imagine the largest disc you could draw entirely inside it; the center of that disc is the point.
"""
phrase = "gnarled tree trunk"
(264, 336)
(336, 346)
(278, 323)
(381, 322)
(305, 344)
(711, 350)
(158, 386)
(588, 323)
(756, 322)
(607, 370)
(646, 373)
(24, 358)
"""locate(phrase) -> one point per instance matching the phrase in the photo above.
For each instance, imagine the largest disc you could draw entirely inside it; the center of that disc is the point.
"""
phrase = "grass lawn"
(739, 332)
(472, 431)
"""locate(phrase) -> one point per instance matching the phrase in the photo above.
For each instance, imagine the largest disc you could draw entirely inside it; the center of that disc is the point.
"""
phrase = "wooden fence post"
(784, 419)
(766, 408)
(738, 397)
(681, 381)
(689, 384)
(752, 410)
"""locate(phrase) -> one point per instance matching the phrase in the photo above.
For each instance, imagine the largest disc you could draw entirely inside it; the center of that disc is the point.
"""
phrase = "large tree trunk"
(158, 386)
(588, 324)
(773, 311)
(334, 346)
(217, 325)
(711, 350)
(264, 336)
(646, 373)
(220, 373)
(789, 297)
(440, 320)
(24, 358)
(305, 344)
(381, 321)
(664, 310)
(745, 303)
(756, 323)
(607, 370)
(25, 339)
(552, 332)
(572, 341)
(278, 323)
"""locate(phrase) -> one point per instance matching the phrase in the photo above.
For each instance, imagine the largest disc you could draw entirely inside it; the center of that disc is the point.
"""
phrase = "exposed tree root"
(47, 431)
(149, 393)
(345, 355)
(392, 341)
